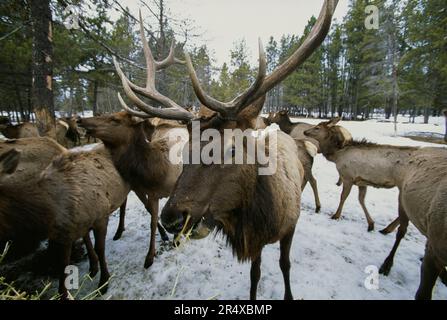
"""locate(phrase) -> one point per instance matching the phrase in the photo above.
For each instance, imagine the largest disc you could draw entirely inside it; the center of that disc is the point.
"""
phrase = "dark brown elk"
(296, 131)
(421, 177)
(36, 154)
(75, 193)
(140, 152)
(252, 210)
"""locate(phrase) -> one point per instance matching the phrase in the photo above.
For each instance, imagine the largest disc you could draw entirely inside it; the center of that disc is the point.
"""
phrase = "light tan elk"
(419, 173)
(251, 210)
(75, 193)
(307, 148)
(140, 150)
(355, 165)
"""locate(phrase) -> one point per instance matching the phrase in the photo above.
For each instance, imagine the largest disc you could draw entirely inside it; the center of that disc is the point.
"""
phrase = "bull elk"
(76, 193)
(140, 149)
(251, 210)
(421, 177)
(307, 148)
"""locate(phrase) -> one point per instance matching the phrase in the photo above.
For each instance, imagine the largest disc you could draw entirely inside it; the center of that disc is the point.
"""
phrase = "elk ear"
(333, 122)
(342, 135)
(9, 161)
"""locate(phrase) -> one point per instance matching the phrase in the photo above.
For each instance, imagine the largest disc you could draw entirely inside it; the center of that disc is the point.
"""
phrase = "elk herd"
(48, 192)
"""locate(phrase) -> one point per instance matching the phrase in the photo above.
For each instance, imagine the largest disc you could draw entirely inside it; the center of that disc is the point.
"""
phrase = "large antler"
(264, 84)
(172, 110)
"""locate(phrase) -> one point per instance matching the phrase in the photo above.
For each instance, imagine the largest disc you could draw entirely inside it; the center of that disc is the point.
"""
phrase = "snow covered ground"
(328, 257)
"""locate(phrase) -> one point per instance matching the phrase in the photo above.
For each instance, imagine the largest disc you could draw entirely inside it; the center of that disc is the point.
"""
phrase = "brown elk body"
(252, 210)
(23, 130)
(140, 152)
(296, 131)
(76, 193)
(419, 173)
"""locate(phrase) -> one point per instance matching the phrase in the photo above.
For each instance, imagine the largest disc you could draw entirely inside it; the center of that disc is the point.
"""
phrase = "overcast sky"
(225, 21)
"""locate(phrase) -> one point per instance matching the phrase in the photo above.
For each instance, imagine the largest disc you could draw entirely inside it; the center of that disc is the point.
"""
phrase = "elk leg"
(92, 256)
(430, 271)
(313, 184)
(63, 254)
(284, 263)
(164, 236)
(153, 209)
(121, 228)
(362, 195)
(391, 227)
(347, 186)
(100, 232)
(388, 263)
(255, 275)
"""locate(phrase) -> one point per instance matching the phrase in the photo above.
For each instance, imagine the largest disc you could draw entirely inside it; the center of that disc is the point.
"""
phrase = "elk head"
(329, 135)
(117, 129)
(218, 194)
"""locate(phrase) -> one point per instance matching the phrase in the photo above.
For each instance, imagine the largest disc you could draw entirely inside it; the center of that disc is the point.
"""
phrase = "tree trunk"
(42, 68)
(426, 115)
(395, 97)
(445, 114)
(95, 98)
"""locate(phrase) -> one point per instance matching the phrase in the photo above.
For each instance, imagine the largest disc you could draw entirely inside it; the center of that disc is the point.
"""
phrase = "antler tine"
(150, 62)
(131, 111)
(173, 111)
(241, 101)
(264, 83)
(170, 60)
(232, 108)
(310, 44)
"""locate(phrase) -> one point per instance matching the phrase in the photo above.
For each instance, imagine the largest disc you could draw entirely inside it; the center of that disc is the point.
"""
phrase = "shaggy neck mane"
(254, 224)
(137, 162)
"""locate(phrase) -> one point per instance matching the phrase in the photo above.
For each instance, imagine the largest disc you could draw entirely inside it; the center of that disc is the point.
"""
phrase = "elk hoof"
(371, 227)
(118, 235)
(384, 232)
(93, 272)
(335, 217)
(318, 209)
(385, 268)
(148, 262)
(164, 237)
(103, 284)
